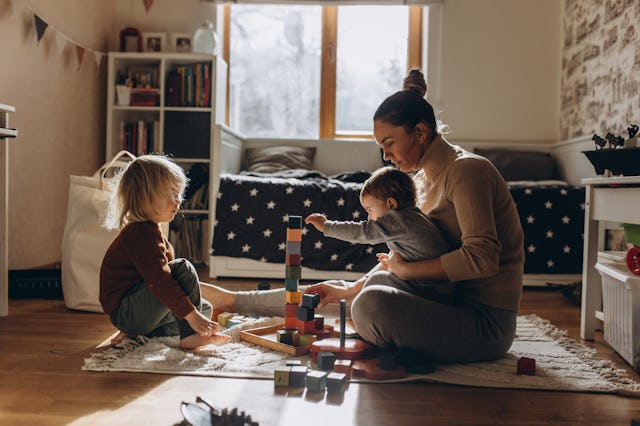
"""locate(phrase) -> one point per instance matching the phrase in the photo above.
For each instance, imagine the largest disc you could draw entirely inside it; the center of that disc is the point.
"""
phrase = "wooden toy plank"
(267, 338)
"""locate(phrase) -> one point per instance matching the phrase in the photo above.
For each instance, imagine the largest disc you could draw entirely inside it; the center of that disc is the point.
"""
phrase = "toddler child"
(389, 198)
(143, 289)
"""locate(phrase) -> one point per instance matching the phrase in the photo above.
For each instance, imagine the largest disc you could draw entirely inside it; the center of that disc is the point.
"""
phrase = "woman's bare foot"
(196, 340)
(221, 299)
(118, 338)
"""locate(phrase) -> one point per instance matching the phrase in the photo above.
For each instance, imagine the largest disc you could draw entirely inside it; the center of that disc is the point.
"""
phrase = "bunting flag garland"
(13, 9)
(147, 5)
(79, 54)
(41, 26)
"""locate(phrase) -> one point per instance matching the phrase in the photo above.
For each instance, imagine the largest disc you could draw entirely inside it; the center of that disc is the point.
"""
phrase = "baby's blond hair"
(139, 188)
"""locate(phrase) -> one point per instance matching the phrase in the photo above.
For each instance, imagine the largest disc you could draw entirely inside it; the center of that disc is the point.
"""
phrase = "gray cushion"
(521, 165)
(278, 158)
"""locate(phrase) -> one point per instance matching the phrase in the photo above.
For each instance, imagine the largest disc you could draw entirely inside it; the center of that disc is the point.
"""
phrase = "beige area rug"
(561, 363)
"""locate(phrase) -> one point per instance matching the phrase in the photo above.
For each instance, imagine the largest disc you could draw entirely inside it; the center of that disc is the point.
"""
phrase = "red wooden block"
(343, 366)
(290, 309)
(290, 322)
(306, 327)
(292, 259)
(527, 366)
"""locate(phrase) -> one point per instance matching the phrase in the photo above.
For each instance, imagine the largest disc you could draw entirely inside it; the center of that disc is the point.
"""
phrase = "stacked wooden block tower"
(302, 326)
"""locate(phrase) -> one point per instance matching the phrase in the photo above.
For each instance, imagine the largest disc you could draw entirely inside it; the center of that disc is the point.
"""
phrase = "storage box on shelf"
(621, 308)
(168, 103)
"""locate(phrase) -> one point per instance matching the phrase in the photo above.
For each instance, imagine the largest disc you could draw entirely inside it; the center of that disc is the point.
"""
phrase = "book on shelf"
(139, 137)
(188, 236)
(189, 85)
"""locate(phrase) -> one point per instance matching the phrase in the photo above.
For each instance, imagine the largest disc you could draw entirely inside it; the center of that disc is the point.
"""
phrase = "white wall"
(500, 70)
(59, 114)
(164, 16)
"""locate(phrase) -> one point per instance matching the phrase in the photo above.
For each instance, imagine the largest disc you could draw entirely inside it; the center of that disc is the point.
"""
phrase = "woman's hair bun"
(415, 82)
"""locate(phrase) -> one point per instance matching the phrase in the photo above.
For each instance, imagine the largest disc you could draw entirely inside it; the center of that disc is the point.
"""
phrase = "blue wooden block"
(304, 313)
(326, 360)
(310, 300)
(297, 376)
(291, 285)
(336, 382)
(295, 222)
(316, 381)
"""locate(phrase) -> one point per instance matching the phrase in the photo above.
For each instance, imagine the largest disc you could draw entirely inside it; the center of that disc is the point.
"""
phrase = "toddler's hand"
(317, 220)
(201, 324)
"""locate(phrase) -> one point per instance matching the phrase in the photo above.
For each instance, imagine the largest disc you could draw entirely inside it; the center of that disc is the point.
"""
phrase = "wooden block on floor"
(293, 362)
(325, 360)
(285, 337)
(306, 327)
(307, 339)
(281, 376)
(526, 366)
(336, 382)
(297, 376)
(343, 366)
(223, 318)
(319, 319)
(316, 381)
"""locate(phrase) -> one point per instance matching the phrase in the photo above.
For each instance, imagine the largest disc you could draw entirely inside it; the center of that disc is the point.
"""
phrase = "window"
(316, 71)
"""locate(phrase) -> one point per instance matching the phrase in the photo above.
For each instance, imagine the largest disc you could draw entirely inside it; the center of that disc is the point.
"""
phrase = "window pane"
(274, 70)
(372, 61)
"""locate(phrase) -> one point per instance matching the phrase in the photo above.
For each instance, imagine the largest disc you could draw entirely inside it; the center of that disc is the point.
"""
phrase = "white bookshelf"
(6, 133)
(184, 132)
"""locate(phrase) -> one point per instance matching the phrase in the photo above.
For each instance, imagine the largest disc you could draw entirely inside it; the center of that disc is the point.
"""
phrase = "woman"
(468, 200)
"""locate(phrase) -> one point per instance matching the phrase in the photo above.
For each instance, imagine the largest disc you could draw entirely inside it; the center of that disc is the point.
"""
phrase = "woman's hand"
(331, 291)
(317, 220)
(201, 324)
(393, 263)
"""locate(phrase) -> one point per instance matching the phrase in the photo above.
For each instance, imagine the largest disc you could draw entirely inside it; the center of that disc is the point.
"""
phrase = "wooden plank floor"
(42, 346)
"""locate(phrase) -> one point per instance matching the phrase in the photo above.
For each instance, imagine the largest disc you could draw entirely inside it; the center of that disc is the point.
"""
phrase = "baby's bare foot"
(195, 340)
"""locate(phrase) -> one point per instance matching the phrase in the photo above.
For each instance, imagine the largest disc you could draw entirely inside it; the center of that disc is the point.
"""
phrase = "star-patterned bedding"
(252, 213)
(552, 217)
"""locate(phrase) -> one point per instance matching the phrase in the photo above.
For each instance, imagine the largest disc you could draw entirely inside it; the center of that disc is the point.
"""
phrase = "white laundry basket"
(621, 309)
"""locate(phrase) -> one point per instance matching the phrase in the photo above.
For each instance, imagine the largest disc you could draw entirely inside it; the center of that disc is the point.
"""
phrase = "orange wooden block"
(294, 234)
(370, 369)
(290, 322)
(343, 366)
(293, 297)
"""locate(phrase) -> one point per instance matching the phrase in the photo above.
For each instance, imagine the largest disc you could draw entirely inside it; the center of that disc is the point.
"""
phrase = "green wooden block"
(316, 381)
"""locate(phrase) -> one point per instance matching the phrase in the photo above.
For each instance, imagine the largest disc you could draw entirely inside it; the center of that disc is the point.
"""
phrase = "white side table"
(615, 199)
(5, 134)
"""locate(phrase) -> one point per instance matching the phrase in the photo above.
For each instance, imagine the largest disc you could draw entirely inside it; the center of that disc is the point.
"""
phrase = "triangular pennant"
(61, 41)
(97, 57)
(41, 26)
(147, 5)
(79, 54)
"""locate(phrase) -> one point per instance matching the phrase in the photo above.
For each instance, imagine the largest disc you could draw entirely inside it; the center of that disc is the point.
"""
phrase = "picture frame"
(130, 40)
(181, 42)
(154, 42)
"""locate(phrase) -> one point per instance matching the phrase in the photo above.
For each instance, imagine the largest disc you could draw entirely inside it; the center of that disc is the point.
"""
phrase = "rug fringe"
(605, 368)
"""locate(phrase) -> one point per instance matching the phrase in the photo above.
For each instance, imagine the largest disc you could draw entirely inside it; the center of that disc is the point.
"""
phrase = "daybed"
(251, 208)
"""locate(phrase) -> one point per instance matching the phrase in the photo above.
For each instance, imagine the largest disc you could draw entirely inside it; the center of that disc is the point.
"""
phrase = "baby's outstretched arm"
(317, 220)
